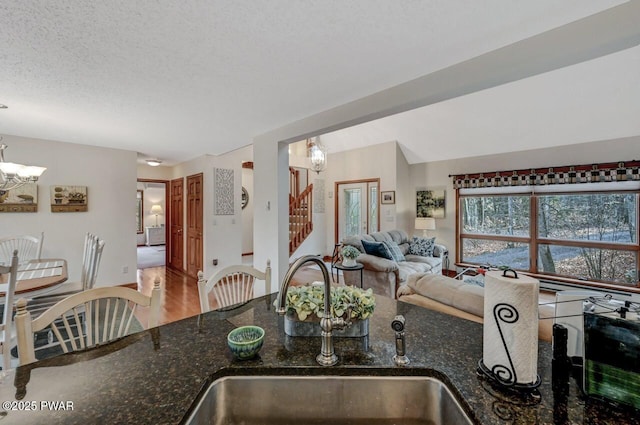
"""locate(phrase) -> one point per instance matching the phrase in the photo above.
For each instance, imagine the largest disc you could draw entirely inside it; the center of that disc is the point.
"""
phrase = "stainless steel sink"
(332, 400)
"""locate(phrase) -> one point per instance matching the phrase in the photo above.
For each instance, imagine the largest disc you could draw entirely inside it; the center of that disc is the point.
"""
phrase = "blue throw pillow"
(422, 246)
(394, 249)
(376, 248)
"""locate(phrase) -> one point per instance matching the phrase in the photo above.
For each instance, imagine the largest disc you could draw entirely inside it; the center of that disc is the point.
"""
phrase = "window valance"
(591, 173)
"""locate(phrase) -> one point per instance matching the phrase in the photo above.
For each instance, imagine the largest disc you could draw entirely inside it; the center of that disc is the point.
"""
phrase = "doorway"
(357, 207)
(151, 219)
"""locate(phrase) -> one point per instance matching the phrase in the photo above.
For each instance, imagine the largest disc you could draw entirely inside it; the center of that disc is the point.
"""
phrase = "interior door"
(176, 236)
(357, 208)
(194, 224)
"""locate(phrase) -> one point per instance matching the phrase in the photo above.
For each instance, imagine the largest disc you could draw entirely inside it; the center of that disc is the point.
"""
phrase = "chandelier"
(317, 155)
(15, 175)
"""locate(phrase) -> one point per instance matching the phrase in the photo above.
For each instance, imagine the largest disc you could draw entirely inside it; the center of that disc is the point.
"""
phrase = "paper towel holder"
(511, 384)
(515, 275)
(505, 376)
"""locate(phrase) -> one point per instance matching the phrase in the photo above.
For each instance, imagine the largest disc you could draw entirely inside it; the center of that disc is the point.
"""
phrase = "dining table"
(37, 277)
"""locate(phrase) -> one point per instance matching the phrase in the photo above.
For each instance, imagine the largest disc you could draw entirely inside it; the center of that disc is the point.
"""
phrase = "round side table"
(344, 269)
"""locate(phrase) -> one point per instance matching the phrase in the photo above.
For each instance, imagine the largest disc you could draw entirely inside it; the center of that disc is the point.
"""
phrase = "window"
(590, 236)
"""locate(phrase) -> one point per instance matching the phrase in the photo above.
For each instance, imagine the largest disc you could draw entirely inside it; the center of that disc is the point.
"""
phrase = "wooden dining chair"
(231, 285)
(86, 319)
(6, 328)
(28, 247)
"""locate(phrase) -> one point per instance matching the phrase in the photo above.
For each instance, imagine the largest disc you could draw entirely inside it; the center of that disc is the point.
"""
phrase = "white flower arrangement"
(349, 251)
(306, 301)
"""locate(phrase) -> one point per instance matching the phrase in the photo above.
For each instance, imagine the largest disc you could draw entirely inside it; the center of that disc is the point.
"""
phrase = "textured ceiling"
(178, 79)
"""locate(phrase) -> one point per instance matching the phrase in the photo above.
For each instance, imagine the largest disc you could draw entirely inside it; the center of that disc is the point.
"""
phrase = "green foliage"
(308, 300)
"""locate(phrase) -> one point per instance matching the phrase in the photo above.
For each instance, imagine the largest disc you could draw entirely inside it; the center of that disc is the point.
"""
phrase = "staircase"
(300, 211)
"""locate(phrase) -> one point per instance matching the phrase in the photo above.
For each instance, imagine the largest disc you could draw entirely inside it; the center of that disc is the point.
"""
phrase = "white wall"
(162, 172)
(222, 234)
(404, 201)
(110, 177)
(436, 174)
(224, 241)
(378, 161)
(247, 212)
(204, 165)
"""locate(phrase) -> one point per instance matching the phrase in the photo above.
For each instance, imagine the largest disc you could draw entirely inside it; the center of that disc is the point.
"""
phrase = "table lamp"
(157, 210)
(424, 224)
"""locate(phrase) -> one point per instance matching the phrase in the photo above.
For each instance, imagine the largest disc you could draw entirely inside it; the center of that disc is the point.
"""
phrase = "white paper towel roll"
(510, 331)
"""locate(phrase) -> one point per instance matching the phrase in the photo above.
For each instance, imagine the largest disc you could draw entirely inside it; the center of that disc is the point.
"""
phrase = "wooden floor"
(180, 292)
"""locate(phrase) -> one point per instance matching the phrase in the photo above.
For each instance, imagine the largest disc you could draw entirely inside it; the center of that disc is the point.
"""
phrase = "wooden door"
(194, 224)
(176, 236)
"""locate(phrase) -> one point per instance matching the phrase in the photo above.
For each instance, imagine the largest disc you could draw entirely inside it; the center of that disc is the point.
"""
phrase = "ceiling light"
(15, 175)
(317, 155)
(2, 106)
(154, 162)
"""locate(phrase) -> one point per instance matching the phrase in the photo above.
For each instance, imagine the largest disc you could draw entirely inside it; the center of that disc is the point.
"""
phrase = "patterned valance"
(591, 173)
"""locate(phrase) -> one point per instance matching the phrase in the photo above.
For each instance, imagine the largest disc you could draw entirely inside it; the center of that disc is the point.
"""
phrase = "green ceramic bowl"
(245, 341)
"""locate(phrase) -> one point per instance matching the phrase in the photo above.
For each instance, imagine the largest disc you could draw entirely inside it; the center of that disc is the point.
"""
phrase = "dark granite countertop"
(154, 377)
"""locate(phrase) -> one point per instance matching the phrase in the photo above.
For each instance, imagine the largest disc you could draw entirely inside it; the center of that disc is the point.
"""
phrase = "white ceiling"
(178, 79)
(591, 101)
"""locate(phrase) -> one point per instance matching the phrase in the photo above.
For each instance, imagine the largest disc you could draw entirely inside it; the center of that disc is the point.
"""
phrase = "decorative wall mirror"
(245, 197)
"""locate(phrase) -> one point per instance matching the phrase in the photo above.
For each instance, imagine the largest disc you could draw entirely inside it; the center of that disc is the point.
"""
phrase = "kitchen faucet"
(327, 356)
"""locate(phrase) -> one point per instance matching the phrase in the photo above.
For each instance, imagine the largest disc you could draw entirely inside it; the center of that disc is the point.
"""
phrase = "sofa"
(460, 299)
(384, 275)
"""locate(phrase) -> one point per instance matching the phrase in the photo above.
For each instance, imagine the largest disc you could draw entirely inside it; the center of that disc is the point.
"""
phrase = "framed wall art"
(69, 199)
(20, 199)
(388, 197)
(430, 203)
(223, 191)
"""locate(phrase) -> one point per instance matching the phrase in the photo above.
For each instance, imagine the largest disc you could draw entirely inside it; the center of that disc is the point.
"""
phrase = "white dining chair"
(28, 247)
(231, 285)
(92, 254)
(6, 328)
(86, 319)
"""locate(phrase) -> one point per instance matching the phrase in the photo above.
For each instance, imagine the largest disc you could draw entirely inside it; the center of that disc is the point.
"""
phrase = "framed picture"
(388, 197)
(430, 203)
(69, 199)
(20, 199)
